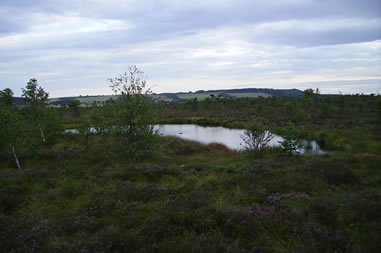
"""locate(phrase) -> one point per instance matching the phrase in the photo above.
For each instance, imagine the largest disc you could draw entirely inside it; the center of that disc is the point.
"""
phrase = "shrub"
(290, 144)
(256, 136)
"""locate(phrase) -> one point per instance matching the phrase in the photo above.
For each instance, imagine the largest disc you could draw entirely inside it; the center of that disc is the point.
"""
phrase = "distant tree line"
(276, 92)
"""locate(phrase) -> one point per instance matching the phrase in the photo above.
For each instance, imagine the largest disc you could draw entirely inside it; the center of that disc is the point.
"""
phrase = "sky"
(72, 47)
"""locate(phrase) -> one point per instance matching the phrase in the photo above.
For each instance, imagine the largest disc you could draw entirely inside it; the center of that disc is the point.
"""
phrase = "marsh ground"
(189, 198)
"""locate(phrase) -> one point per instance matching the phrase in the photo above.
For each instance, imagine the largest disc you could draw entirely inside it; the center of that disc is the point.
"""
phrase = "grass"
(90, 100)
(103, 98)
(189, 198)
(249, 95)
(203, 122)
(199, 96)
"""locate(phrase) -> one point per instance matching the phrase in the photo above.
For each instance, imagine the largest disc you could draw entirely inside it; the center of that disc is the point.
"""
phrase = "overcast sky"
(73, 46)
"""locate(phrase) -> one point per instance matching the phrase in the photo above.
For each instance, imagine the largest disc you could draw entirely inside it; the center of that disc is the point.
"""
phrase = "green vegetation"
(131, 115)
(11, 128)
(84, 101)
(248, 94)
(199, 96)
(74, 107)
(205, 95)
(256, 136)
(290, 144)
(122, 188)
(332, 120)
(190, 198)
(36, 98)
(88, 101)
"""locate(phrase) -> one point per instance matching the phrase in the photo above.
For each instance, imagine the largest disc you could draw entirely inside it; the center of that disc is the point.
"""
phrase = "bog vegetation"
(118, 186)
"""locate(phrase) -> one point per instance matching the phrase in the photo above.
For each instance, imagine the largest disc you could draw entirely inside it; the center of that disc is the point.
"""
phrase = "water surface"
(232, 138)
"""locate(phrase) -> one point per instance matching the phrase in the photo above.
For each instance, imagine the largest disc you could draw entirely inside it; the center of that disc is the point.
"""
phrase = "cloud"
(74, 46)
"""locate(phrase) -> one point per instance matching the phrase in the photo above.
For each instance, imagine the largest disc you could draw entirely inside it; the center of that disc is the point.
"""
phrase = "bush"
(256, 136)
(290, 144)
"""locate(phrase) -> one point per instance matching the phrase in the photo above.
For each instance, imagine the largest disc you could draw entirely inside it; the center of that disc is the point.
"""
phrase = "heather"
(124, 188)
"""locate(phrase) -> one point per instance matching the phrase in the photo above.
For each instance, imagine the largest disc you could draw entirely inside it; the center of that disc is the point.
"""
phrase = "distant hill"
(84, 100)
(180, 96)
(19, 100)
(234, 93)
(276, 92)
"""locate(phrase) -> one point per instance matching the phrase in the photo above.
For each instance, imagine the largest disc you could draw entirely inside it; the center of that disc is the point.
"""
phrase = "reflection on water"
(229, 137)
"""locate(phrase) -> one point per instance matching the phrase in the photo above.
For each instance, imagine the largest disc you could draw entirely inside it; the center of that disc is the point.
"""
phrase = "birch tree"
(132, 114)
(36, 99)
(11, 125)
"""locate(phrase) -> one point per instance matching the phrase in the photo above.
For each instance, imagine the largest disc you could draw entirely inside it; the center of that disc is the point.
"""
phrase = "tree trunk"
(15, 156)
(42, 133)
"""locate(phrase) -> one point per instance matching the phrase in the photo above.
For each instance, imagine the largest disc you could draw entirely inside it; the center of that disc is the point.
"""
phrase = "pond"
(229, 137)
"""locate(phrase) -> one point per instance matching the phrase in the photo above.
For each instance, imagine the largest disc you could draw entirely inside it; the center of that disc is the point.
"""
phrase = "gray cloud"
(74, 46)
(154, 20)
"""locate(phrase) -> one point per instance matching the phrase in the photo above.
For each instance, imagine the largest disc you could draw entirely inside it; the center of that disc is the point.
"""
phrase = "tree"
(132, 114)
(11, 125)
(6, 97)
(310, 100)
(36, 98)
(10, 132)
(290, 143)
(51, 121)
(256, 136)
(74, 107)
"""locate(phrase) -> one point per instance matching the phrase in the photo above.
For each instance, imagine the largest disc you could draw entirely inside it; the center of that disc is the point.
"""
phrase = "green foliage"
(85, 130)
(300, 115)
(16, 132)
(36, 99)
(11, 131)
(378, 108)
(132, 115)
(100, 118)
(290, 144)
(74, 107)
(189, 201)
(47, 121)
(51, 121)
(362, 132)
(34, 95)
(15, 138)
(12, 127)
(6, 97)
(329, 109)
(256, 136)
(193, 197)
